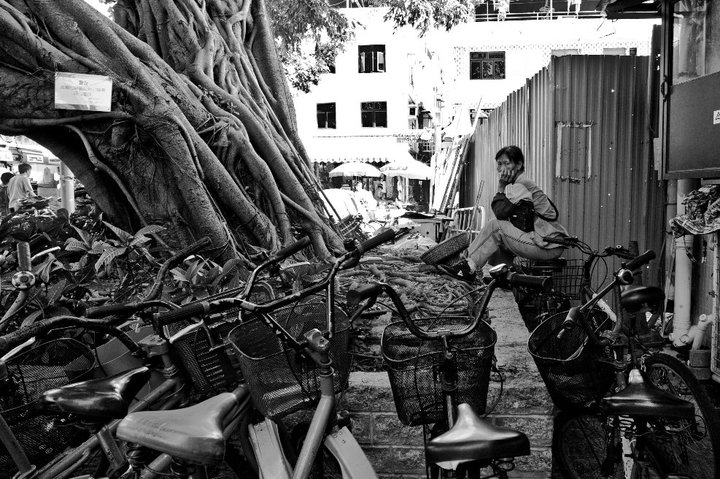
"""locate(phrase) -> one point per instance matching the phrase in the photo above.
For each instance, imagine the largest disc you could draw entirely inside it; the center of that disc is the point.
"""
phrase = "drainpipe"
(683, 273)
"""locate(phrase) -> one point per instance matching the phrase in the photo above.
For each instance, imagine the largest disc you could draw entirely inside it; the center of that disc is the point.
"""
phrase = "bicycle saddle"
(472, 438)
(641, 398)
(633, 299)
(106, 398)
(194, 434)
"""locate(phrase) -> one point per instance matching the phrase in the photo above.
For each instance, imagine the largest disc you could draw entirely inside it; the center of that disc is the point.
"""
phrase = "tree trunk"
(201, 138)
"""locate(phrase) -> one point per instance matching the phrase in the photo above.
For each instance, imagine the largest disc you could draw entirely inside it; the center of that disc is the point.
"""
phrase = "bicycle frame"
(267, 448)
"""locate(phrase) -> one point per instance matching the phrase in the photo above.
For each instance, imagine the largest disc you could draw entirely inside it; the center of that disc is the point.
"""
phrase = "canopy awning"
(363, 149)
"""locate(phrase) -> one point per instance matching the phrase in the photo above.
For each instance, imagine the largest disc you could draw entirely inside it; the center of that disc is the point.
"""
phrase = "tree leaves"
(424, 15)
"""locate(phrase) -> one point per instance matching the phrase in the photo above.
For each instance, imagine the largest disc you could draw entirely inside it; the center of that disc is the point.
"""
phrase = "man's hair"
(5, 177)
(514, 154)
(24, 167)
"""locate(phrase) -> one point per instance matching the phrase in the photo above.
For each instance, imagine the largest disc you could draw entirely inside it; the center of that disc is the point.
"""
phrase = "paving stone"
(387, 429)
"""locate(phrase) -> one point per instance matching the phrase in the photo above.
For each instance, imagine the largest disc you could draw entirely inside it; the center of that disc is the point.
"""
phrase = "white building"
(367, 110)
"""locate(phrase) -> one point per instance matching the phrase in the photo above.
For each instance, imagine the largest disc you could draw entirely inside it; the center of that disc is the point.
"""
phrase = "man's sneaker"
(458, 270)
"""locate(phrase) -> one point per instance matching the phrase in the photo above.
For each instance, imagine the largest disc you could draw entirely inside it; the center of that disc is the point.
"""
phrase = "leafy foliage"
(309, 36)
(424, 15)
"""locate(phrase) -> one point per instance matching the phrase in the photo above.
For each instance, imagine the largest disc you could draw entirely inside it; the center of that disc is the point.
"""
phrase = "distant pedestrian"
(4, 198)
(19, 187)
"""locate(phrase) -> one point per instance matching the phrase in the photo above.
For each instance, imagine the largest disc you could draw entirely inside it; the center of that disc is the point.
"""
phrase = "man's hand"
(508, 176)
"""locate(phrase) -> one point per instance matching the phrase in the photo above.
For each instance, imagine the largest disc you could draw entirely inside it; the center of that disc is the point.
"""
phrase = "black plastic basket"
(571, 366)
(535, 306)
(281, 379)
(42, 367)
(413, 367)
(566, 274)
(446, 249)
(202, 350)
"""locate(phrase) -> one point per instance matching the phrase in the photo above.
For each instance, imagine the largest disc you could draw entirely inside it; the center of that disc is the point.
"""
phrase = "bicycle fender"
(265, 441)
(353, 462)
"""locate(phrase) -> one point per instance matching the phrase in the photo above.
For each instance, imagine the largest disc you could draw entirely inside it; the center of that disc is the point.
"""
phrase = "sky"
(98, 6)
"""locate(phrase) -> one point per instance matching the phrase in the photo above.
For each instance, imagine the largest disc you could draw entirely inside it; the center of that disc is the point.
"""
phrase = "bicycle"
(98, 403)
(623, 401)
(439, 370)
(290, 360)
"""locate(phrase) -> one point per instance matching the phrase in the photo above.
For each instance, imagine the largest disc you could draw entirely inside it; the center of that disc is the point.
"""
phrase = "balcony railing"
(492, 16)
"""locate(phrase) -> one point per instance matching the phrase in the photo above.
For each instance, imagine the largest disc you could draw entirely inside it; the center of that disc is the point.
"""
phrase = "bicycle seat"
(195, 434)
(106, 398)
(641, 398)
(633, 299)
(472, 438)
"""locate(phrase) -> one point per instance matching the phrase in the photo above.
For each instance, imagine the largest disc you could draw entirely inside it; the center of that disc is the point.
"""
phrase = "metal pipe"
(683, 271)
(67, 188)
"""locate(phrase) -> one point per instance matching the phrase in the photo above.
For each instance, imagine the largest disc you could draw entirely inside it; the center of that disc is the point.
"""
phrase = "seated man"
(523, 216)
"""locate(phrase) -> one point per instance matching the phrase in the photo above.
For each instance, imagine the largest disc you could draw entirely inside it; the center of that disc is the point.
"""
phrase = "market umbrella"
(408, 168)
(355, 169)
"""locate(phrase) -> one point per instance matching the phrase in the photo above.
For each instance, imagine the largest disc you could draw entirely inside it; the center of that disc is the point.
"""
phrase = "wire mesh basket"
(534, 305)
(572, 367)
(414, 368)
(446, 249)
(45, 366)
(281, 379)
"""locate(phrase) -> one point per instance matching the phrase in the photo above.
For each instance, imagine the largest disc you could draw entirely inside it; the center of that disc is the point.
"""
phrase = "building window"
(326, 115)
(371, 58)
(487, 65)
(373, 114)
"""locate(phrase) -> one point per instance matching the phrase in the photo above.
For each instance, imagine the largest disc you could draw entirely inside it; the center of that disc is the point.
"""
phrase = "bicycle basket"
(202, 347)
(534, 305)
(282, 380)
(571, 366)
(567, 274)
(446, 249)
(45, 366)
(414, 364)
(202, 350)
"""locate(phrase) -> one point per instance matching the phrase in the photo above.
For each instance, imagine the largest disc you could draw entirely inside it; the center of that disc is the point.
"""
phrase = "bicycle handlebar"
(529, 281)
(23, 256)
(10, 340)
(501, 276)
(290, 250)
(375, 241)
(641, 260)
(562, 240)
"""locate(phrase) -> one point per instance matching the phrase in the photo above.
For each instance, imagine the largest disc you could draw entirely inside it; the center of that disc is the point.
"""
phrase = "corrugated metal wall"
(582, 123)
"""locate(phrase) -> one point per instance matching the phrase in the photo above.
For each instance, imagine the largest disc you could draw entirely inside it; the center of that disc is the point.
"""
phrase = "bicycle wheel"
(685, 448)
(581, 449)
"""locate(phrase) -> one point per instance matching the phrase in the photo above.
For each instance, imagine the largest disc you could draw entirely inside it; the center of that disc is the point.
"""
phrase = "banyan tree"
(201, 137)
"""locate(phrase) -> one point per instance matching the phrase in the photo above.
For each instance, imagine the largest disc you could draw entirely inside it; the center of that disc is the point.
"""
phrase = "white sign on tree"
(76, 91)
